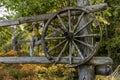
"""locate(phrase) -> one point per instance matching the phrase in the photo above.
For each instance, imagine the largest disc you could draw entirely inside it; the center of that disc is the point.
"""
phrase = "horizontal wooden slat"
(43, 17)
(44, 60)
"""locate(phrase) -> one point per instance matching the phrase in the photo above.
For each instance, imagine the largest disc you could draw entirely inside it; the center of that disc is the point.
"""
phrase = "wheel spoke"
(79, 19)
(56, 46)
(56, 29)
(85, 44)
(70, 53)
(88, 35)
(79, 52)
(64, 28)
(58, 58)
(54, 38)
(83, 27)
(71, 49)
(70, 56)
(69, 20)
(52, 34)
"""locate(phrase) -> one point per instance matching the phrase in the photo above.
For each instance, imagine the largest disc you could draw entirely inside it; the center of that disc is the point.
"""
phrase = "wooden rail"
(42, 17)
(44, 60)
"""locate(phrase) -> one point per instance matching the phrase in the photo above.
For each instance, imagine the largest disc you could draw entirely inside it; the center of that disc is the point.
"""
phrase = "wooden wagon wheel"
(65, 35)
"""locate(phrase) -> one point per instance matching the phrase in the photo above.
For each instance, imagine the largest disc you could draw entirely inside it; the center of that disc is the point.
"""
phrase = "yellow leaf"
(103, 20)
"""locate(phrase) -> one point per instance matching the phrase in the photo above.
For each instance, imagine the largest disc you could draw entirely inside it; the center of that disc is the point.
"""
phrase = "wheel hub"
(69, 35)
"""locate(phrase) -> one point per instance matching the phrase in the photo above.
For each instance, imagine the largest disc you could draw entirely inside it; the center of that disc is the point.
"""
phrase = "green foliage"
(31, 7)
(5, 39)
(114, 43)
(110, 20)
(23, 8)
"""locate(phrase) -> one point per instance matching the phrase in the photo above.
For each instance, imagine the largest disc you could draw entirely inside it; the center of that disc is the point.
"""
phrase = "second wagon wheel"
(69, 34)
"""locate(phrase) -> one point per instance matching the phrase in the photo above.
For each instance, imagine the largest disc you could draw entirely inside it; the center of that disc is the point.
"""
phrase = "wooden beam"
(33, 60)
(43, 17)
(44, 60)
(101, 61)
(96, 8)
(103, 70)
(9, 23)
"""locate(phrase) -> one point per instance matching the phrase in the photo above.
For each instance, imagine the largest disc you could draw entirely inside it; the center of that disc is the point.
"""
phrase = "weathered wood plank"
(44, 60)
(43, 17)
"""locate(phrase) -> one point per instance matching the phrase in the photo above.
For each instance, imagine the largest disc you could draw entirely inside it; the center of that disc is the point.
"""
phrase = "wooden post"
(85, 72)
(32, 44)
(15, 43)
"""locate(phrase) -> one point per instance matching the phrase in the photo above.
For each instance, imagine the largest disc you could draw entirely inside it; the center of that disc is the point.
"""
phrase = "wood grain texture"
(85, 72)
(65, 60)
